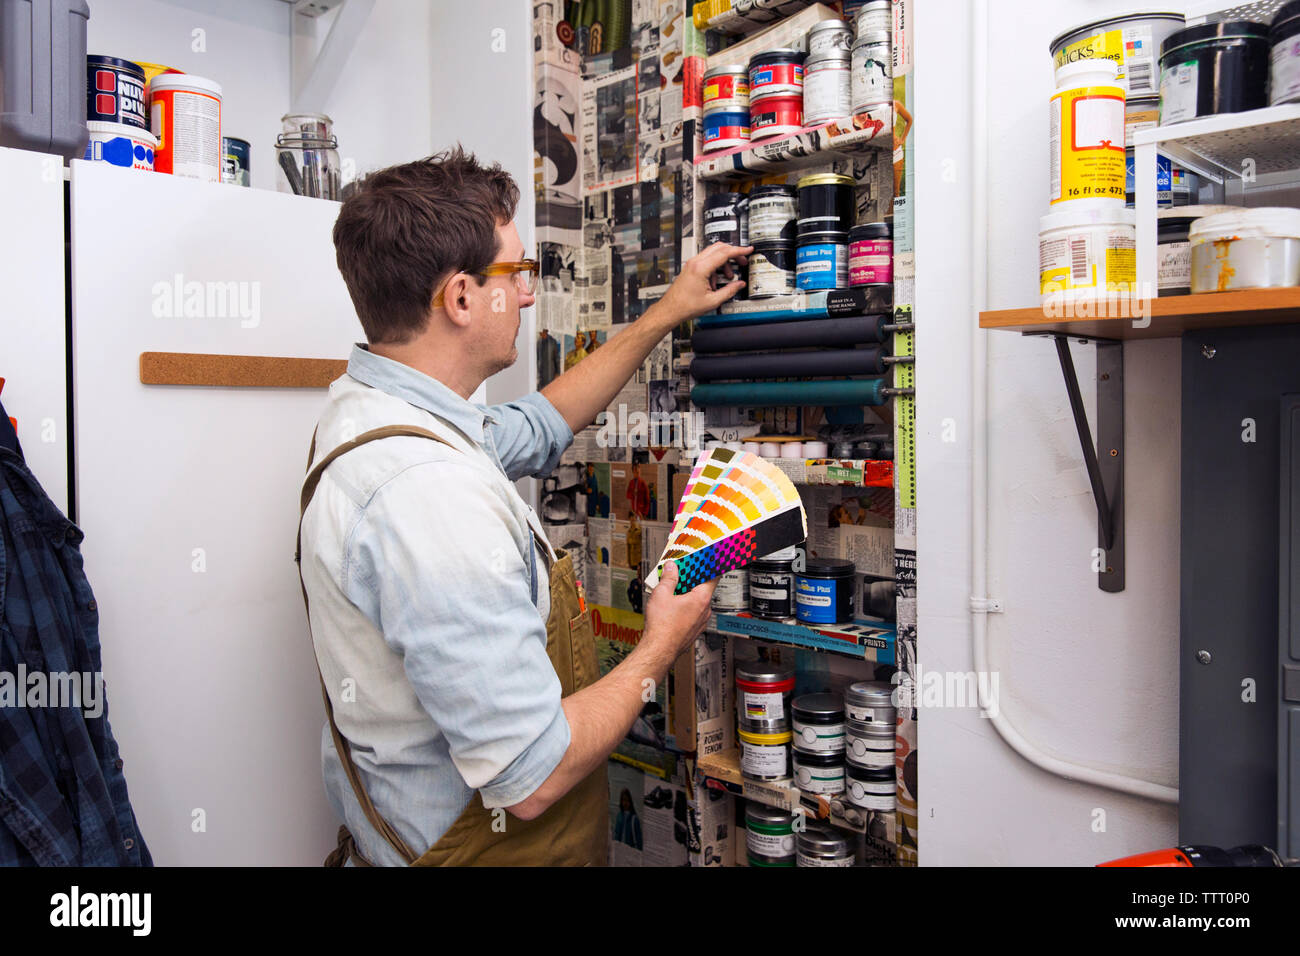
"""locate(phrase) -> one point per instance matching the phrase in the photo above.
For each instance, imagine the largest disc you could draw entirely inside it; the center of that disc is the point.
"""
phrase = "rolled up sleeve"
(530, 436)
(445, 582)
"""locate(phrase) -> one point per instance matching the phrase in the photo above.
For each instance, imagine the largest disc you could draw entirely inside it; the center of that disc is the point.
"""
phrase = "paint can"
(826, 203)
(1246, 249)
(120, 145)
(871, 789)
(1132, 42)
(770, 273)
(817, 721)
(817, 772)
(871, 254)
(769, 834)
(821, 846)
(772, 212)
(870, 701)
(726, 89)
(1086, 249)
(186, 111)
(1214, 68)
(827, 91)
(722, 219)
(732, 592)
(763, 692)
(828, 36)
(823, 591)
(822, 263)
(764, 757)
(1086, 130)
(869, 744)
(235, 155)
(776, 72)
(876, 16)
(779, 115)
(151, 71)
(1284, 59)
(872, 78)
(771, 583)
(115, 91)
(726, 130)
(1174, 247)
(1175, 186)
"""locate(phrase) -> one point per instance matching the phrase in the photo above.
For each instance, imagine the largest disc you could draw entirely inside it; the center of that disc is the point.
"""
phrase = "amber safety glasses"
(525, 269)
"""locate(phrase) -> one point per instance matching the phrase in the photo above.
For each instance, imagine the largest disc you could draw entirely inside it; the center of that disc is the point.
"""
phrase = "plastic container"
(772, 214)
(763, 691)
(870, 702)
(871, 254)
(823, 591)
(822, 261)
(121, 145)
(828, 36)
(776, 72)
(186, 115)
(1131, 41)
(822, 846)
(872, 77)
(726, 89)
(817, 722)
(826, 92)
(1246, 249)
(764, 757)
(869, 743)
(43, 76)
(770, 273)
(826, 203)
(1086, 133)
(769, 832)
(115, 92)
(1214, 68)
(871, 789)
(1087, 249)
(1174, 249)
(726, 130)
(817, 772)
(777, 115)
(1284, 56)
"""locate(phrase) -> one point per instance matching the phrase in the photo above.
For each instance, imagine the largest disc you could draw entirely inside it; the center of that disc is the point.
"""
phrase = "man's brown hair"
(408, 227)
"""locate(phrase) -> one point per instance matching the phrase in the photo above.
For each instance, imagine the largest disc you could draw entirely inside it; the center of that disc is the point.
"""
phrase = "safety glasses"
(525, 271)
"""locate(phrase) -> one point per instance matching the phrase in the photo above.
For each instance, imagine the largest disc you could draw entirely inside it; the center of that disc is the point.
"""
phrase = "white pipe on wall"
(980, 449)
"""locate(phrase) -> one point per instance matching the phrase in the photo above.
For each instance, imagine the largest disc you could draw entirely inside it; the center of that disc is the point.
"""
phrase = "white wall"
(1090, 677)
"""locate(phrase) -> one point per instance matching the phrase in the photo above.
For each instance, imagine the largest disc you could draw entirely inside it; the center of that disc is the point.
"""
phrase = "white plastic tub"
(1246, 249)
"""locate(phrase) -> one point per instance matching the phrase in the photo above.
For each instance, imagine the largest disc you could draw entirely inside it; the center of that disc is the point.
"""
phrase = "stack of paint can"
(822, 846)
(117, 114)
(726, 107)
(827, 89)
(826, 214)
(871, 60)
(763, 696)
(870, 728)
(776, 81)
(772, 231)
(769, 835)
(818, 743)
(726, 219)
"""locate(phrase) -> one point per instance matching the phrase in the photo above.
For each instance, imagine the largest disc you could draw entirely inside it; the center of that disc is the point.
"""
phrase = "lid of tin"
(1142, 103)
(822, 26)
(1269, 222)
(785, 554)
(1107, 72)
(1108, 212)
(818, 706)
(769, 816)
(818, 758)
(835, 57)
(874, 38)
(1111, 21)
(719, 200)
(869, 775)
(773, 100)
(825, 237)
(122, 129)
(870, 728)
(185, 81)
(730, 69)
(821, 841)
(828, 568)
(871, 693)
(825, 179)
(772, 567)
(759, 192)
(871, 230)
(1221, 30)
(1286, 15)
(780, 55)
(1192, 212)
(102, 59)
(764, 672)
(236, 139)
(765, 740)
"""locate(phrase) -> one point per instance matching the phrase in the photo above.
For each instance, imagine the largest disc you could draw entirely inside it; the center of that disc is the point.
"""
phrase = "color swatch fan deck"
(736, 508)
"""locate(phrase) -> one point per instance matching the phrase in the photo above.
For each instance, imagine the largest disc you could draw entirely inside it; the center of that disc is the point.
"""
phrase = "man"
(638, 494)
(468, 721)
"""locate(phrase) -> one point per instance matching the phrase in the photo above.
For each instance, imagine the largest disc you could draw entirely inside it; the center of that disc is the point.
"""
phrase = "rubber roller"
(866, 391)
(865, 361)
(852, 330)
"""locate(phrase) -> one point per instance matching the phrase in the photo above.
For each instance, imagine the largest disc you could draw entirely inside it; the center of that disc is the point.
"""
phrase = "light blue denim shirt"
(418, 561)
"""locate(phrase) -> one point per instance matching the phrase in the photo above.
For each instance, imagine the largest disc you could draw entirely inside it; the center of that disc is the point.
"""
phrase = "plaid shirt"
(63, 799)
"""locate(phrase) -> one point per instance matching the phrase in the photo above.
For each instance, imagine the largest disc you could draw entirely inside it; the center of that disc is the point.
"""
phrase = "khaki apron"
(574, 831)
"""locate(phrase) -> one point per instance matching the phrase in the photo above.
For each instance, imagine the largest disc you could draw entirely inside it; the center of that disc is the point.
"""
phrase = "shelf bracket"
(1105, 460)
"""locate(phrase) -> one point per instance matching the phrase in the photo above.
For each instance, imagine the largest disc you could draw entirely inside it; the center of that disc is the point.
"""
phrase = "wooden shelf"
(1168, 317)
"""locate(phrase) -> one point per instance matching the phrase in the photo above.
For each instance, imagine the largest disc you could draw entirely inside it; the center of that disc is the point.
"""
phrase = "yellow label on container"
(1121, 266)
(1099, 46)
(1087, 144)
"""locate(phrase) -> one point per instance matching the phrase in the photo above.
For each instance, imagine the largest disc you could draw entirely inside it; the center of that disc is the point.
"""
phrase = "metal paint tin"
(818, 772)
(726, 130)
(1086, 131)
(876, 16)
(872, 80)
(186, 112)
(115, 91)
(871, 789)
(769, 832)
(764, 756)
(869, 744)
(120, 145)
(1284, 60)
(774, 72)
(772, 214)
(1131, 41)
(826, 203)
(827, 90)
(732, 592)
(870, 701)
(771, 273)
(1175, 186)
(871, 254)
(1213, 68)
(779, 115)
(722, 219)
(726, 88)
(235, 155)
(771, 583)
(828, 36)
(817, 721)
(822, 262)
(823, 590)
(763, 690)
(822, 846)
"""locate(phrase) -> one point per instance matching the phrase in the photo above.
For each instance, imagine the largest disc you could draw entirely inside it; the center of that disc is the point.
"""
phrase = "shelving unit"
(784, 154)
(863, 640)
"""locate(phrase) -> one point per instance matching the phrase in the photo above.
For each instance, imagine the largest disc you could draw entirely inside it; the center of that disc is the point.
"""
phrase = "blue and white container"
(823, 590)
(115, 91)
(822, 261)
(121, 145)
(724, 130)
